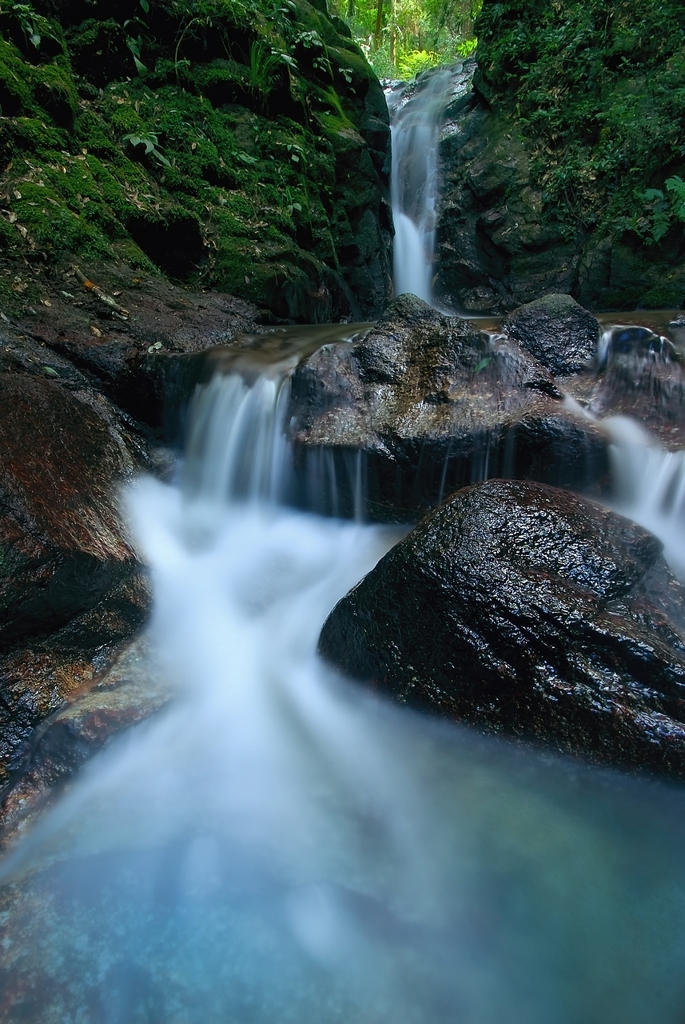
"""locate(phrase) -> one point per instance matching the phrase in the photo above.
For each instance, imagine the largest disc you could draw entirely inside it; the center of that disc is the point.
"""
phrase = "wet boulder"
(557, 332)
(528, 610)
(642, 376)
(149, 360)
(126, 690)
(61, 464)
(421, 404)
(71, 586)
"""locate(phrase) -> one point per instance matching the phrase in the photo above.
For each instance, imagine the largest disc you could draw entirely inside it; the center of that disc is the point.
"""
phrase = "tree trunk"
(393, 32)
(379, 26)
(351, 9)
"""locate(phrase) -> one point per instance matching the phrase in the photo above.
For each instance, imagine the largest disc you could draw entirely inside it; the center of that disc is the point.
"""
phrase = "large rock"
(70, 583)
(422, 404)
(148, 361)
(557, 332)
(528, 610)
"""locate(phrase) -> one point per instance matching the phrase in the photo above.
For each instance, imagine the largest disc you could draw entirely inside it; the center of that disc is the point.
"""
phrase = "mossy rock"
(182, 160)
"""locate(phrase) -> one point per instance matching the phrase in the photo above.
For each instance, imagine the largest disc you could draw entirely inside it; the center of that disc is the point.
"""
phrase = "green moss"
(247, 182)
(16, 96)
(598, 92)
(667, 295)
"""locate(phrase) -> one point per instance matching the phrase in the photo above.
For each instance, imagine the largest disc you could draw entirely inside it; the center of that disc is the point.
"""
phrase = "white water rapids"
(279, 846)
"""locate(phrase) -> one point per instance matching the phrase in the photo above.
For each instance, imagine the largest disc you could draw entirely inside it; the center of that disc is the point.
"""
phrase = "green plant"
(29, 22)
(412, 62)
(150, 143)
(263, 68)
(676, 187)
(598, 92)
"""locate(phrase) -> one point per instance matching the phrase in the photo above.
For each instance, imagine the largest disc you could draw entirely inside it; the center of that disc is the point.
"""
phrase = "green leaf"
(482, 363)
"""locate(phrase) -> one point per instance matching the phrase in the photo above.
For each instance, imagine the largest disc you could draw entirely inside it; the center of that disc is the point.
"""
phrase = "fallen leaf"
(96, 332)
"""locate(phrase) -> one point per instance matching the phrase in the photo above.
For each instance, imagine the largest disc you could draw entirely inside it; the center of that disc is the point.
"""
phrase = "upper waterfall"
(416, 111)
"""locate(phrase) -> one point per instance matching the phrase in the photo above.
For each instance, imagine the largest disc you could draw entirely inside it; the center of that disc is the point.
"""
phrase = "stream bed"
(280, 845)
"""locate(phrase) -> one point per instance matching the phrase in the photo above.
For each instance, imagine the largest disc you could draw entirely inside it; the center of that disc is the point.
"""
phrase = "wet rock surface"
(148, 361)
(643, 378)
(423, 403)
(84, 394)
(126, 689)
(524, 609)
(557, 332)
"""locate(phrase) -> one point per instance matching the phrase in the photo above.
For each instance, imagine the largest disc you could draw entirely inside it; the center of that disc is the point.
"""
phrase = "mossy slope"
(596, 92)
(240, 146)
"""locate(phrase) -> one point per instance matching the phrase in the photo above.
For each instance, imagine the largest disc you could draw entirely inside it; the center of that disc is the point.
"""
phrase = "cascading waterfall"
(280, 846)
(416, 117)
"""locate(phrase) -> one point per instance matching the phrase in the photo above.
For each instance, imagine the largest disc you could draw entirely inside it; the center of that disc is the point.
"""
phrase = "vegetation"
(202, 137)
(403, 37)
(598, 93)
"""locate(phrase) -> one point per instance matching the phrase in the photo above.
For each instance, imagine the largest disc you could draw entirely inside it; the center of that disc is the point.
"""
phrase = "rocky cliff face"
(235, 146)
(562, 168)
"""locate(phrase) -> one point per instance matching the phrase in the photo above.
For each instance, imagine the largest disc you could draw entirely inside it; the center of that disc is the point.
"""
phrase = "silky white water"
(279, 846)
(415, 125)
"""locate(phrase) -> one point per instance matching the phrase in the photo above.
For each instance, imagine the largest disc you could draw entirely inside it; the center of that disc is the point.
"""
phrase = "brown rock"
(422, 404)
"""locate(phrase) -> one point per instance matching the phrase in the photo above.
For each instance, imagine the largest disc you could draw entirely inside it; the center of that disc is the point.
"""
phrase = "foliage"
(599, 92)
(150, 143)
(415, 34)
(213, 123)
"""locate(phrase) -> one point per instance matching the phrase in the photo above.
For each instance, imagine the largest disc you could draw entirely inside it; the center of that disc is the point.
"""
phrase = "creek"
(280, 845)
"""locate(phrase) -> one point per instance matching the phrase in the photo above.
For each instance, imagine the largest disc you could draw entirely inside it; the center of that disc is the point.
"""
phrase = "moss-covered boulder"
(238, 146)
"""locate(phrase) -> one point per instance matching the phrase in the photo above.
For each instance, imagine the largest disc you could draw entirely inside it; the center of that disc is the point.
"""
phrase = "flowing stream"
(280, 846)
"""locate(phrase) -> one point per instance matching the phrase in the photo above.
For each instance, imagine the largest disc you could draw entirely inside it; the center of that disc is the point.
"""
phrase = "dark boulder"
(527, 610)
(62, 460)
(557, 332)
(71, 585)
(423, 403)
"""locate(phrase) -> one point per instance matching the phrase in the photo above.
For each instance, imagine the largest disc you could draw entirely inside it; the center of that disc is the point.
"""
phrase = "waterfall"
(279, 845)
(416, 113)
(649, 484)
